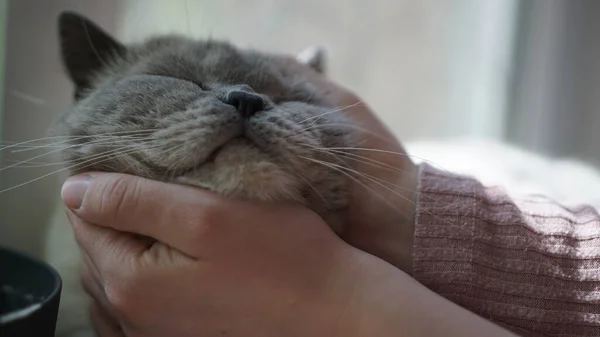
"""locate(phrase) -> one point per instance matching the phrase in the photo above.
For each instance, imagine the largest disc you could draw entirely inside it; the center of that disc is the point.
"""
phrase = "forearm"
(528, 264)
(394, 304)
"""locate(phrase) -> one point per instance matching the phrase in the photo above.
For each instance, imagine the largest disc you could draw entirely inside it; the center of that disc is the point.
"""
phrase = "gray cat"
(203, 113)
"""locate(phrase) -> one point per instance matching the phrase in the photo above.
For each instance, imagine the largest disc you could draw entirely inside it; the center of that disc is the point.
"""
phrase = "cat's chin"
(240, 169)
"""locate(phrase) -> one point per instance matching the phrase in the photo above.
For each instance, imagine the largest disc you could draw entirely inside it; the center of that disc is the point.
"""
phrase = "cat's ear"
(85, 48)
(314, 57)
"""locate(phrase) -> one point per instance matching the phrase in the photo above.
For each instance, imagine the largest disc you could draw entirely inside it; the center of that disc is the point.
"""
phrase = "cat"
(203, 113)
(197, 112)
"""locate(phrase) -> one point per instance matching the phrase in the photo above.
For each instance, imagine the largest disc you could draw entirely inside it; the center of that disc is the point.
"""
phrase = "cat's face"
(203, 113)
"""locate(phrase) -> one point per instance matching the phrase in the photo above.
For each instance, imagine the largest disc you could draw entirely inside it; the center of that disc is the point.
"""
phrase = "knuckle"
(208, 222)
(86, 281)
(119, 196)
(123, 298)
(75, 225)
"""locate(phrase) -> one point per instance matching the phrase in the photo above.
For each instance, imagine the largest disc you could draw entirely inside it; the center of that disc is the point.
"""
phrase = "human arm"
(527, 262)
(530, 265)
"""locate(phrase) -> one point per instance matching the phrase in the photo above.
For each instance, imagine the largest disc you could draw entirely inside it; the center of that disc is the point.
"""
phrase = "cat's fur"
(179, 89)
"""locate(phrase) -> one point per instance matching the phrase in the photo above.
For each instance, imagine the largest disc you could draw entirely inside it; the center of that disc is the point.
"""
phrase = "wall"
(35, 91)
(3, 25)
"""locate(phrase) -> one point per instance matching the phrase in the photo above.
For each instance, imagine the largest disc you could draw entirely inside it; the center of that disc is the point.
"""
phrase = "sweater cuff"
(444, 226)
(530, 265)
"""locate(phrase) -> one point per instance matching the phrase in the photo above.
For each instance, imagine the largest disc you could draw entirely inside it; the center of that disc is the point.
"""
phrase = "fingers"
(187, 219)
(166, 212)
(106, 249)
(92, 283)
(103, 323)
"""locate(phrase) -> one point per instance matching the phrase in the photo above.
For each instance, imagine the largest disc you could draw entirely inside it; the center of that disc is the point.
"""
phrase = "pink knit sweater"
(530, 265)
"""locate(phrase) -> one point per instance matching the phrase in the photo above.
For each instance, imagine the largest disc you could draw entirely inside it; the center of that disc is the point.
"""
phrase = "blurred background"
(519, 71)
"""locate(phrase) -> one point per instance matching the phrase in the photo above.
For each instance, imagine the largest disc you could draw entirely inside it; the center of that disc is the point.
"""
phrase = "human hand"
(383, 196)
(172, 260)
(235, 268)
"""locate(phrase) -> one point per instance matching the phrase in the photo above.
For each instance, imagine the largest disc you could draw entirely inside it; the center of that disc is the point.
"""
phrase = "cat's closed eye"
(198, 83)
(189, 79)
(295, 96)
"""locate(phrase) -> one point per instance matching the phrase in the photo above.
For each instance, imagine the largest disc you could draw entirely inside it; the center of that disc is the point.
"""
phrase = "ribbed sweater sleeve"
(530, 264)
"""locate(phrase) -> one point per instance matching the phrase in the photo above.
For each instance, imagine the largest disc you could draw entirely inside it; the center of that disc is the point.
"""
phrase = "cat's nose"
(246, 103)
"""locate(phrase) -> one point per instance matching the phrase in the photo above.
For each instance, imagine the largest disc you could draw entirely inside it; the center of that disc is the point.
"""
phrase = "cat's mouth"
(249, 138)
(255, 138)
(213, 155)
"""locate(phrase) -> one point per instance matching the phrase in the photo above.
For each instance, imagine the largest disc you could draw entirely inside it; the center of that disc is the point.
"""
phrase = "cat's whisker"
(368, 175)
(346, 151)
(19, 144)
(32, 158)
(368, 161)
(351, 126)
(27, 97)
(330, 112)
(130, 132)
(312, 94)
(364, 160)
(359, 158)
(402, 154)
(27, 147)
(335, 153)
(74, 138)
(109, 156)
(377, 179)
(107, 152)
(394, 207)
(365, 130)
(341, 169)
(372, 150)
(99, 142)
(173, 167)
(171, 170)
(31, 164)
(311, 186)
(40, 156)
(103, 154)
(345, 173)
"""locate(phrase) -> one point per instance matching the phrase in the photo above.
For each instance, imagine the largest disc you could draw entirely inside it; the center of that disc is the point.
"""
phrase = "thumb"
(169, 213)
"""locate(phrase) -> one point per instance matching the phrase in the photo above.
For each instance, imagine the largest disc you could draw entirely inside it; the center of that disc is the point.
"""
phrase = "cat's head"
(200, 112)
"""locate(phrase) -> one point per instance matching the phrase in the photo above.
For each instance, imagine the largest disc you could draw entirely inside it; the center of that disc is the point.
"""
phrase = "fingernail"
(73, 191)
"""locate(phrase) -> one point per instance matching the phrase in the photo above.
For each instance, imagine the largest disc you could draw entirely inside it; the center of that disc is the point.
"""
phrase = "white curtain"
(555, 100)
(430, 68)
(35, 90)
